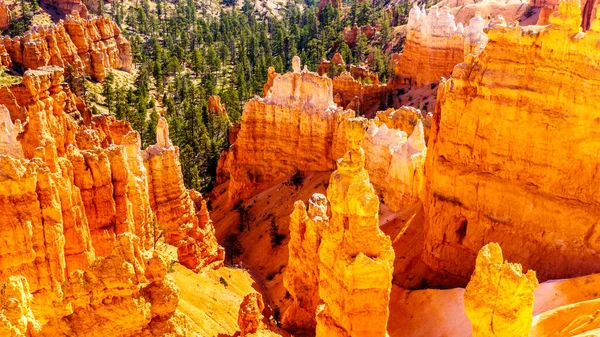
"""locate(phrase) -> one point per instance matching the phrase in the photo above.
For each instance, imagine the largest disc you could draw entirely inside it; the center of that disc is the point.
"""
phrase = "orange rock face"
(290, 129)
(356, 258)
(215, 106)
(364, 95)
(90, 46)
(434, 45)
(78, 231)
(499, 298)
(344, 261)
(176, 210)
(250, 317)
(298, 128)
(482, 187)
(301, 277)
(4, 15)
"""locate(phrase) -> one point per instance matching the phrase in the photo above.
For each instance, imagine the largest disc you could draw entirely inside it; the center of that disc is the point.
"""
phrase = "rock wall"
(297, 127)
(355, 258)
(512, 154)
(435, 44)
(79, 234)
(90, 46)
(499, 298)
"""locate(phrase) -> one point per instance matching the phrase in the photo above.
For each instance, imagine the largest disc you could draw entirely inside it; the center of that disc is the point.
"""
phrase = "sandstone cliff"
(79, 230)
(499, 298)
(297, 127)
(90, 46)
(511, 158)
(435, 44)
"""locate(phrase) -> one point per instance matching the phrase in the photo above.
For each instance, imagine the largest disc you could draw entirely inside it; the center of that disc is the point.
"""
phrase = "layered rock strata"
(502, 135)
(297, 127)
(499, 298)
(79, 232)
(90, 46)
(435, 44)
(355, 258)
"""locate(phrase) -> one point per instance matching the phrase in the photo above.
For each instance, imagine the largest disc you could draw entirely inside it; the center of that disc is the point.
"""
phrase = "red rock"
(90, 46)
(4, 15)
(250, 317)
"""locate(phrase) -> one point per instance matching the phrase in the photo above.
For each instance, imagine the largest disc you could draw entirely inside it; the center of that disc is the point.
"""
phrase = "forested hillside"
(186, 53)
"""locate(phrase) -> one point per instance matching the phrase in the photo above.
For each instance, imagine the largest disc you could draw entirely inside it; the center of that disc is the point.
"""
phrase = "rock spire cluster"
(91, 46)
(83, 213)
(352, 272)
(298, 127)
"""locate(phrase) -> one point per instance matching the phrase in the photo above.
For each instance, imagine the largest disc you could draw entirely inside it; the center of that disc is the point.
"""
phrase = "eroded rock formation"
(355, 258)
(250, 316)
(4, 15)
(501, 140)
(78, 238)
(89, 46)
(344, 261)
(297, 127)
(499, 298)
(182, 215)
(67, 7)
(435, 44)
(301, 278)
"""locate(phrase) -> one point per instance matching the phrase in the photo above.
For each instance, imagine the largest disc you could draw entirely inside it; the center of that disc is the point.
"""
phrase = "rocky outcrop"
(297, 127)
(499, 298)
(67, 7)
(356, 258)
(344, 261)
(360, 94)
(355, 87)
(182, 216)
(8, 134)
(350, 34)
(78, 238)
(301, 277)
(337, 4)
(290, 129)
(250, 316)
(215, 106)
(406, 119)
(4, 15)
(510, 159)
(435, 44)
(395, 163)
(90, 46)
